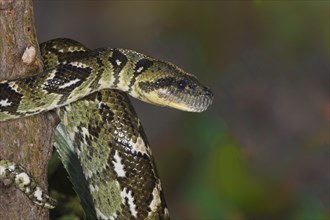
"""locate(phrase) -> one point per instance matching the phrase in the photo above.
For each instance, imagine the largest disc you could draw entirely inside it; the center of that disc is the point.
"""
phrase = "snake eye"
(182, 84)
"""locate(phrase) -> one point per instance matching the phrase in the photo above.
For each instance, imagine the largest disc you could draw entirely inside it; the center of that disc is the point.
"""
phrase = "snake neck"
(116, 69)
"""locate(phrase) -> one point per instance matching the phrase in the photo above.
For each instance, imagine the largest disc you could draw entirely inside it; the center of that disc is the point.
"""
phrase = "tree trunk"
(27, 141)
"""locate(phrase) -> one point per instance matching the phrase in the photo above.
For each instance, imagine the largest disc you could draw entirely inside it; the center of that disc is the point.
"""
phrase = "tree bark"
(27, 141)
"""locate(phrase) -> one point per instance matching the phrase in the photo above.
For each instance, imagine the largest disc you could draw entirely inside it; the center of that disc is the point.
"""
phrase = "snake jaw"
(174, 99)
(186, 102)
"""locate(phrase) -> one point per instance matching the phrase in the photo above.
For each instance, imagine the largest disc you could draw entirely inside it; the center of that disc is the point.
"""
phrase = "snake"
(89, 91)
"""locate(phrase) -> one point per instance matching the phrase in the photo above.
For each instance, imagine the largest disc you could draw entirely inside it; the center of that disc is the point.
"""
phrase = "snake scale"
(88, 89)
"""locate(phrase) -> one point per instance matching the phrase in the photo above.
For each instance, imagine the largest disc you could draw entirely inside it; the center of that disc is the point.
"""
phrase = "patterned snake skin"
(89, 90)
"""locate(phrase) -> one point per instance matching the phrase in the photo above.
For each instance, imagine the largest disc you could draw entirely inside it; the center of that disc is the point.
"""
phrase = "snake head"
(164, 84)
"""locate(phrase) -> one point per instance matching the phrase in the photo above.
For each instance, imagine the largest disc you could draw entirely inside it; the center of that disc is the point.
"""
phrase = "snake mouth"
(186, 102)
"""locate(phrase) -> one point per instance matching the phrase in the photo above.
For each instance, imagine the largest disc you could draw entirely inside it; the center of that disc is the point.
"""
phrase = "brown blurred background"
(262, 149)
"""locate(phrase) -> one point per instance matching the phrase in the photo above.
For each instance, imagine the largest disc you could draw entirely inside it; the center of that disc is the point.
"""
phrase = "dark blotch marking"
(94, 130)
(95, 83)
(164, 82)
(65, 74)
(143, 63)
(78, 137)
(7, 93)
(99, 62)
(141, 175)
(106, 113)
(113, 59)
(61, 53)
(161, 83)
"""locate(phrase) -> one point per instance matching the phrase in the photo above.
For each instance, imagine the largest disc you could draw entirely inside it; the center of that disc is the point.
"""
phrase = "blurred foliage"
(262, 150)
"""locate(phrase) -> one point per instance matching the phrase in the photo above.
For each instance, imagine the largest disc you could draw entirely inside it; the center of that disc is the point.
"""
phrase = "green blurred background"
(261, 151)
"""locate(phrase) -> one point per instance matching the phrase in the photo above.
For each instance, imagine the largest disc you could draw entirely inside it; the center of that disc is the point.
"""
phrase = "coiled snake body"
(89, 90)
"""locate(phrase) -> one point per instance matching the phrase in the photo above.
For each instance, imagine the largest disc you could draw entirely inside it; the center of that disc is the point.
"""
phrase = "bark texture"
(27, 141)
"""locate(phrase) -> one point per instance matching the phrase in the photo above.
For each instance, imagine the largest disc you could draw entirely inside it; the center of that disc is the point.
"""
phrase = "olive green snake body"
(89, 90)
